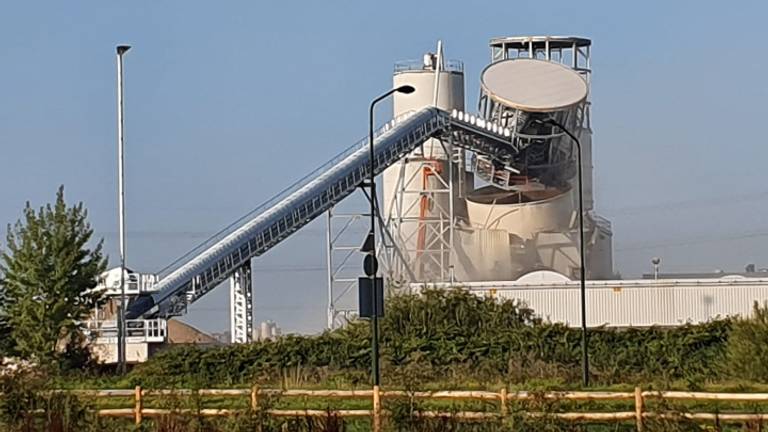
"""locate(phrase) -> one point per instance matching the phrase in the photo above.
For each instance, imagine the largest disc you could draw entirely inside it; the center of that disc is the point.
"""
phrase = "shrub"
(453, 337)
(748, 346)
(28, 405)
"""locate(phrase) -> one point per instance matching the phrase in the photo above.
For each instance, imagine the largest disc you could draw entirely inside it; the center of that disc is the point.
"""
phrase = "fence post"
(639, 402)
(503, 395)
(138, 405)
(254, 398)
(376, 409)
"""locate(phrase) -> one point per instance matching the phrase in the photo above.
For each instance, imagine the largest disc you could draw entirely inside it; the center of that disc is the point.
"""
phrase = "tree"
(47, 280)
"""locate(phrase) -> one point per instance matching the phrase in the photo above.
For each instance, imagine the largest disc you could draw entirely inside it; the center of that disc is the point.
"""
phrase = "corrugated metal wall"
(634, 303)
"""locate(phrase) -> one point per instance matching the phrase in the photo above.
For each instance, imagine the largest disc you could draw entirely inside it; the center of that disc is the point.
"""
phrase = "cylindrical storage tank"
(408, 206)
(572, 52)
(521, 213)
(450, 95)
(523, 95)
(532, 196)
(526, 95)
(525, 216)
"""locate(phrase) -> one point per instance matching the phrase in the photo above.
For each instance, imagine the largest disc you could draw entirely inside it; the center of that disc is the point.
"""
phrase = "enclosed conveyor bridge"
(208, 265)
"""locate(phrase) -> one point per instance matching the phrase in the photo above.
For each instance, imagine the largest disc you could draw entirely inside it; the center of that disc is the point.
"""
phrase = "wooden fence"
(503, 398)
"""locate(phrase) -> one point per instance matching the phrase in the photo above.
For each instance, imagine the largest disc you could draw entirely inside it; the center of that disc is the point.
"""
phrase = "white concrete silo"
(417, 192)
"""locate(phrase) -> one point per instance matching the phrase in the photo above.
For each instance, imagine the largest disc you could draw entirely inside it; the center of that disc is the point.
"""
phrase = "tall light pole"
(121, 328)
(582, 267)
(370, 240)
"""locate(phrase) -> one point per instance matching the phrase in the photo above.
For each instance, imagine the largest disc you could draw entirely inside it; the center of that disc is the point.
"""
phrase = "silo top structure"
(531, 79)
(548, 86)
(572, 51)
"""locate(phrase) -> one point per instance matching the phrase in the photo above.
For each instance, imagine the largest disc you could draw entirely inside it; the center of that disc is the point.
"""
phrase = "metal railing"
(414, 65)
(135, 283)
(600, 221)
(144, 330)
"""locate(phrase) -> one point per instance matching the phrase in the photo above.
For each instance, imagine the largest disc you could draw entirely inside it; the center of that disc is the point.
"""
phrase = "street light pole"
(121, 328)
(370, 241)
(583, 277)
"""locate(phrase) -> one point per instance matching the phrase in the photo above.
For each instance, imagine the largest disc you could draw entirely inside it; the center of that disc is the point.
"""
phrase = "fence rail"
(138, 412)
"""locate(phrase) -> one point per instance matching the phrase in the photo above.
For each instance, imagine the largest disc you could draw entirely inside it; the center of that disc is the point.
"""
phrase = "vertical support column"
(241, 305)
(438, 69)
(138, 406)
(121, 327)
(331, 312)
(503, 397)
(451, 214)
(376, 409)
(639, 402)
(254, 398)
(343, 243)
(575, 59)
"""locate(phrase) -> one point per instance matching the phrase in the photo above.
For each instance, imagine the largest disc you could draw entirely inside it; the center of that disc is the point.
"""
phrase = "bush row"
(455, 337)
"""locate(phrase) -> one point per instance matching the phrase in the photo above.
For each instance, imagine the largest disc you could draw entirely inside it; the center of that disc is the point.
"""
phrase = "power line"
(286, 268)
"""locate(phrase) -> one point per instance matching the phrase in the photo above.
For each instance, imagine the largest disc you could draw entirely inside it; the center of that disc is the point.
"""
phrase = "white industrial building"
(143, 336)
(628, 303)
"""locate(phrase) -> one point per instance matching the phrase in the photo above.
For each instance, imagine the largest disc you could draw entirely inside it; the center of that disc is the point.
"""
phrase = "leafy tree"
(47, 278)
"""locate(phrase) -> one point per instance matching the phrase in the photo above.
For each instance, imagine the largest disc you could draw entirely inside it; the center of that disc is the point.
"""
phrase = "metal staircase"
(202, 269)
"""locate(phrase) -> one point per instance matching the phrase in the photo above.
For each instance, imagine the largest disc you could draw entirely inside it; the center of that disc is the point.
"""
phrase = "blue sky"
(228, 102)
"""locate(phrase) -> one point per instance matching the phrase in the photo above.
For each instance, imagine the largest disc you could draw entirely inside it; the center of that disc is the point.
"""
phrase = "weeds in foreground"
(27, 405)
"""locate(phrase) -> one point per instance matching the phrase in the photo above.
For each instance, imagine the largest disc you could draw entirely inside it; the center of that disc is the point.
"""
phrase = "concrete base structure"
(135, 352)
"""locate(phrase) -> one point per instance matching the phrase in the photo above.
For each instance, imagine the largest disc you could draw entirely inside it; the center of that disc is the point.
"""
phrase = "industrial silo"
(525, 219)
(421, 196)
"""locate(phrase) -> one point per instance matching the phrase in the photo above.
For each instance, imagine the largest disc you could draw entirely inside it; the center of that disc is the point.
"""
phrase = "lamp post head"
(121, 49)
(405, 89)
(369, 245)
